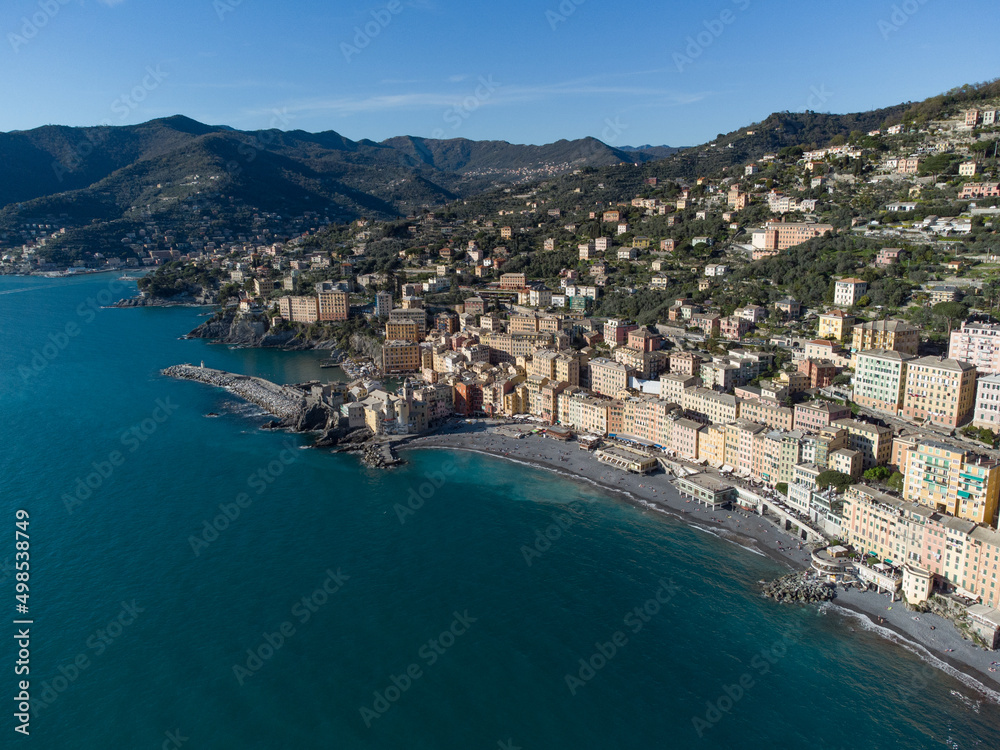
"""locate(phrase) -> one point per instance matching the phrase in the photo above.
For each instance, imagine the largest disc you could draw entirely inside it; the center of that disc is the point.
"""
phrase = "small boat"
(211, 414)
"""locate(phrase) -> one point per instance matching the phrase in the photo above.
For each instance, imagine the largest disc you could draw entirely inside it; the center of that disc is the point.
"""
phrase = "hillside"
(99, 182)
(192, 184)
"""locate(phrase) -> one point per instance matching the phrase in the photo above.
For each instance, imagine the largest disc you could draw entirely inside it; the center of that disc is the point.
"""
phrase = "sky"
(524, 71)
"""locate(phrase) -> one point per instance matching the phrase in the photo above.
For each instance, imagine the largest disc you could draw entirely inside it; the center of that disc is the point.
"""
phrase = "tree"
(836, 479)
(952, 312)
(782, 488)
(896, 481)
(878, 474)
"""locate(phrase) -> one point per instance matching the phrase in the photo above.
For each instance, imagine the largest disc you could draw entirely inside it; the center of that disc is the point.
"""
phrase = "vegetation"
(877, 474)
(836, 479)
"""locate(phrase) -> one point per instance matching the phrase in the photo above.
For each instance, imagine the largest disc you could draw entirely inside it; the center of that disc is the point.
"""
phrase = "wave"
(866, 623)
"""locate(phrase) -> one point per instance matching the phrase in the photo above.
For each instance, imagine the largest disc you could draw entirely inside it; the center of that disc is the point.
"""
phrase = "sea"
(197, 582)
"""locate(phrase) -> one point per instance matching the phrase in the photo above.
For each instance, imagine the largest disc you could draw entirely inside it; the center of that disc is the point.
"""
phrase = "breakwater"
(282, 401)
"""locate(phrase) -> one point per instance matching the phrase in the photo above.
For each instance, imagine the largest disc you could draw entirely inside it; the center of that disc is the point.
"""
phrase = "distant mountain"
(271, 170)
(657, 152)
(105, 184)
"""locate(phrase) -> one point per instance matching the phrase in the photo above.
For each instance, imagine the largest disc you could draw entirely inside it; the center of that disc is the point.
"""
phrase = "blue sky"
(523, 71)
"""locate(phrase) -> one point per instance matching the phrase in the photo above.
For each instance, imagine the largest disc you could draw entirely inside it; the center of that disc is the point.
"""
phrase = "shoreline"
(906, 628)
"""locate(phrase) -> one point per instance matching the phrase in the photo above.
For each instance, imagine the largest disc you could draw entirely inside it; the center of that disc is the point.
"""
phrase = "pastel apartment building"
(607, 377)
(684, 438)
(979, 345)
(299, 309)
(686, 363)
(835, 324)
(707, 406)
(616, 332)
(953, 551)
(847, 292)
(780, 235)
(400, 356)
(880, 379)
(888, 256)
(896, 335)
(770, 413)
(952, 481)
(872, 441)
(334, 306)
(987, 410)
(979, 190)
(815, 415)
(942, 391)
(733, 328)
(513, 281)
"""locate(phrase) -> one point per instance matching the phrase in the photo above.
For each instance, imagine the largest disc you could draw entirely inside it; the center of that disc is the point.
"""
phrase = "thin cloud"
(503, 95)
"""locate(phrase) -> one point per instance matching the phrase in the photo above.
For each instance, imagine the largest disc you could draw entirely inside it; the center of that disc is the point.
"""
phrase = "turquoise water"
(433, 630)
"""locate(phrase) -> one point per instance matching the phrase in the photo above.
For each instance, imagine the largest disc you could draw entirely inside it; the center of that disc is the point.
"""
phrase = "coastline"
(906, 628)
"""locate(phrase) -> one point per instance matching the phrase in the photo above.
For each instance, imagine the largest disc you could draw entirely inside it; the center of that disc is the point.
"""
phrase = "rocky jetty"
(379, 456)
(345, 438)
(293, 407)
(799, 588)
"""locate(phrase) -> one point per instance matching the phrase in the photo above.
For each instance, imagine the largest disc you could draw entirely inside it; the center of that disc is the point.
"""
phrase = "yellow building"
(712, 444)
(334, 305)
(951, 481)
(402, 330)
(895, 335)
(400, 356)
(835, 324)
(942, 391)
(299, 309)
(870, 522)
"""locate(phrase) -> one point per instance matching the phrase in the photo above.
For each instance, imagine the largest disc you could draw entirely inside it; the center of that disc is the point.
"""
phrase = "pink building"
(733, 328)
(684, 438)
(815, 415)
(616, 331)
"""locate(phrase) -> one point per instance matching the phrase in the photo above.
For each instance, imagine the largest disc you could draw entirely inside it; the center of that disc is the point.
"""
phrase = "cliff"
(255, 329)
(197, 295)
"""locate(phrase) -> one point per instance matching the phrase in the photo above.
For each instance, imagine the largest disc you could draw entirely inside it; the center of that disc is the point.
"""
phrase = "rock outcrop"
(196, 296)
(379, 456)
(255, 329)
(799, 588)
